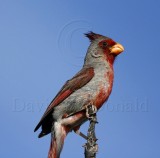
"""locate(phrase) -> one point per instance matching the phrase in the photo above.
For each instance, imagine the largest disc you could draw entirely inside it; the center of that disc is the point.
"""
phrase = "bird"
(92, 85)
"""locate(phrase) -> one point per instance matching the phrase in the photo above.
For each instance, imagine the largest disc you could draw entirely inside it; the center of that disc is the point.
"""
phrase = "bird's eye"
(104, 44)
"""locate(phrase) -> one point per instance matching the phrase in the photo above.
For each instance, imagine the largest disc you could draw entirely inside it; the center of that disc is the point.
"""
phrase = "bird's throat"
(110, 59)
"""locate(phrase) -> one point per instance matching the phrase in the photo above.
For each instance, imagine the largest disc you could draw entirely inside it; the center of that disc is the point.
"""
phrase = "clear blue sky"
(42, 45)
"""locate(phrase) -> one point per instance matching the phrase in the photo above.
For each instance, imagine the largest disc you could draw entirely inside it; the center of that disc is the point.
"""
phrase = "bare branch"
(91, 147)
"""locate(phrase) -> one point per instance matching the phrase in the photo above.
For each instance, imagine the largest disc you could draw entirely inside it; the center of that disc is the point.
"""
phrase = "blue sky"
(42, 45)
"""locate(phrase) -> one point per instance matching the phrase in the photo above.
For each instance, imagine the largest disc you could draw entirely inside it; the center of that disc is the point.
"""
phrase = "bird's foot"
(91, 110)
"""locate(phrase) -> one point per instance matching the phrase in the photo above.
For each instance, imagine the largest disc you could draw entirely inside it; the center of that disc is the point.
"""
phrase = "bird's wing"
(78, 81)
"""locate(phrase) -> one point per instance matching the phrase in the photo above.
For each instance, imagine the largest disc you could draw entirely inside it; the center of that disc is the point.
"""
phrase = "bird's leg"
(80, 133)
(90, 111)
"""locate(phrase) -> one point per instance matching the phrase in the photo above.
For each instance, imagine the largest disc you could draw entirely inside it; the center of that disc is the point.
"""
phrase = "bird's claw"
(90, 110)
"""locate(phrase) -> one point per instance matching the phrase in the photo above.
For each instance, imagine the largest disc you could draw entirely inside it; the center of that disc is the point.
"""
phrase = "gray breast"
(81, 97)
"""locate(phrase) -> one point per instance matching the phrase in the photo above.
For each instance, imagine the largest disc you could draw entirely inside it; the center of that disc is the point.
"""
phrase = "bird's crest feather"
(92, 36)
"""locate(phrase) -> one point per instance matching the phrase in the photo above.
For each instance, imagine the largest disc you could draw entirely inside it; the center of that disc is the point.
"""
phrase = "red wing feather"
(78, 81)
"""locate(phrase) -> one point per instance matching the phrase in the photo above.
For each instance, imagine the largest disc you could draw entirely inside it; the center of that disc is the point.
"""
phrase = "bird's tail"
(57, 140)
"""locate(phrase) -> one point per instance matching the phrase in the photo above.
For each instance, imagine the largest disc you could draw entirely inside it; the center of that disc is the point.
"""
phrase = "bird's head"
(101, 49)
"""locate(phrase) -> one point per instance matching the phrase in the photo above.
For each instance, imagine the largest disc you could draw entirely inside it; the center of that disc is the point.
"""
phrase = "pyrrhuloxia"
(91, 85)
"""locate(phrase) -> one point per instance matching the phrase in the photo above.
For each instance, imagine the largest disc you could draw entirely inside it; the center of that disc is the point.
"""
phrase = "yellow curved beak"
(116, 49)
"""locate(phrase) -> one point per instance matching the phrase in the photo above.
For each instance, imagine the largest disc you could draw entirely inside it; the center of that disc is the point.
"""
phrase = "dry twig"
(91, 147)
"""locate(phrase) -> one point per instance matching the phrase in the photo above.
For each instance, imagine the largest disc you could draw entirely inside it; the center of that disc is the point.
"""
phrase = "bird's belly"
(73, 104)
(75, 120)
(94, 92)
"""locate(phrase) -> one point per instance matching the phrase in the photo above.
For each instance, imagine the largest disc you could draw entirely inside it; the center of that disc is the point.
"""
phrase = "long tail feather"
(57, 140)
